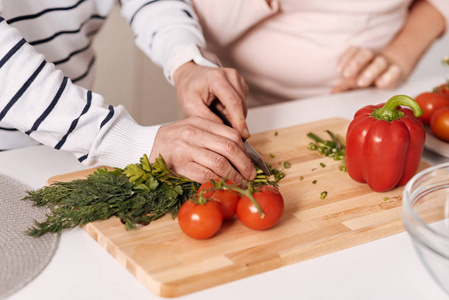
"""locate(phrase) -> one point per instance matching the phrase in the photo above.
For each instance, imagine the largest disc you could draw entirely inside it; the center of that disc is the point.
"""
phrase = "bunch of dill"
(138, 194)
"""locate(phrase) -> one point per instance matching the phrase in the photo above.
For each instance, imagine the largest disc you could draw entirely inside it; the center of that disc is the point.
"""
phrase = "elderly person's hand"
(200, 149)
(361, 67)
(197, 87)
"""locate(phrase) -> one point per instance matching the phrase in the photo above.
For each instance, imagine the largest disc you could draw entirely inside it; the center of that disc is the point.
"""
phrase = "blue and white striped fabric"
(46, 70)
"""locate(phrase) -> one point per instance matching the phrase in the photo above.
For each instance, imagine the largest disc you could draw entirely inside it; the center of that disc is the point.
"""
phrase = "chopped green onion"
(333, 148)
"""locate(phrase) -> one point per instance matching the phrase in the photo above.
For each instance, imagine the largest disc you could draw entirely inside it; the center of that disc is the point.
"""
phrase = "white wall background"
(125, 76)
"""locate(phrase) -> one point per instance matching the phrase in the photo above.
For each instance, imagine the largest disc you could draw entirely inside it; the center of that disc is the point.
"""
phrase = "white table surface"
(387, 268)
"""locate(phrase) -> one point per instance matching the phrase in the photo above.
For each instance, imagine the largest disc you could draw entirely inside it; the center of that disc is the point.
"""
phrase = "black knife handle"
(213, 107)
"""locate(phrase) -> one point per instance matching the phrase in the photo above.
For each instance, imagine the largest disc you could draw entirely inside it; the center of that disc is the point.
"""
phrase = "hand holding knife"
(253, 154)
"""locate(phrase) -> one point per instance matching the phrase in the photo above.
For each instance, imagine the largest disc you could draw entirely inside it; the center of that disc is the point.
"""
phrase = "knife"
(253, 154)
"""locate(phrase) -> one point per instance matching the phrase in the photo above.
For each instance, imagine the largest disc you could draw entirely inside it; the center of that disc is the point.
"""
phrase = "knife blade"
(255, 157)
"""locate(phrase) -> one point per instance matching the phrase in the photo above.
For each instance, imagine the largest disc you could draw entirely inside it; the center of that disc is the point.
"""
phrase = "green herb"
(262, 178)
(314, 181)
(322, 165)
(313, 169)
(332, 148)
(139, 194)
(276, 133)
(445, 60)
(271, 155)
(301, 178)
(286, 165)
(323, 194)
(385, 198)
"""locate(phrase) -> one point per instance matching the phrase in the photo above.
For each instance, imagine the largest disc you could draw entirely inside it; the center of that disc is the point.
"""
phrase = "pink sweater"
(289, 50)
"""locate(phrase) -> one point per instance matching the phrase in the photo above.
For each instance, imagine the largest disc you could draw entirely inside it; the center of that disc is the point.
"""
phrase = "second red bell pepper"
(384, 143)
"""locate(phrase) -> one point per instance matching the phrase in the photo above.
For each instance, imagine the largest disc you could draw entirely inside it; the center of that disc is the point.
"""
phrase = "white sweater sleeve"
(39, 100)
(166, 31)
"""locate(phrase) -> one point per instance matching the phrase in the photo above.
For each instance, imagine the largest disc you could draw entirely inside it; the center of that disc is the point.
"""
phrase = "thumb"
(345, 84)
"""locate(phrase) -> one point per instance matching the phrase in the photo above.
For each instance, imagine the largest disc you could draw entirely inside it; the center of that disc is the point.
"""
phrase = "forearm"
(39, 100)
(424, 24)
(162, 29)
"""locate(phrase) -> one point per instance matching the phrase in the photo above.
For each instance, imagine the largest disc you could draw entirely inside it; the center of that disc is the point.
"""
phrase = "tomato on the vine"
(270, 201)
(439, 123)
(200, 221)
(227, 198)
(443, 89)
(429, 103)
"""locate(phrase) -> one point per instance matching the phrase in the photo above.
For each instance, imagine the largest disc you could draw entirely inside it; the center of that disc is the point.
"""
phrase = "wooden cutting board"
(171, 264)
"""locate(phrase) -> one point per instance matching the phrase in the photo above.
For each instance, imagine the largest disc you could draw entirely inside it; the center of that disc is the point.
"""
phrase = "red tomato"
(227, 199)
(200, 221)
(270, 201)
(439, 123)
(443, 89)
(429, 103)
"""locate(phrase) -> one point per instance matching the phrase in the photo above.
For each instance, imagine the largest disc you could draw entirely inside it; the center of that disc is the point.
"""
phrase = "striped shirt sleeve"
(163, 28)
(40, 101)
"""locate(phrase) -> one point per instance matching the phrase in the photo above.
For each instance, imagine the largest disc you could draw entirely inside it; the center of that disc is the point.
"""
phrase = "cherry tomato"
(270, 201)
(227, 199)
(429, 103)
(200, 221)
(443, 89)
(439, 123)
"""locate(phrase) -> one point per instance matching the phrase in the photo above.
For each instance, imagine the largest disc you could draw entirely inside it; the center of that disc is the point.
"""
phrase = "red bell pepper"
(384, 143)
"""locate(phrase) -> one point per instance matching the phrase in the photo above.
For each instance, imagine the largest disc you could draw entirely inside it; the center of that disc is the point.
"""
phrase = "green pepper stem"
(389, 112)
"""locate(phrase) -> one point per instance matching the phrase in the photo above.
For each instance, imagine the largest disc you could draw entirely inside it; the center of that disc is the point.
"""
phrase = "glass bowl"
(425, 214)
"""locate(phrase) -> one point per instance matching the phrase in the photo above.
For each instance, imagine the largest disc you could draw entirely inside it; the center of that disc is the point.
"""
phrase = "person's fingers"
(205, 130)
(226, 152)
(239, 85)
(345, 58)
(232, 156)
(196, 172)
(390, 78)
(234, 104)
(361, 68)
(358, 63)
(217, 163)
(235, 113)
(345, 84)
(372, 71)
(220, 107)
(196, 84)
(216, 147)
(199, 108)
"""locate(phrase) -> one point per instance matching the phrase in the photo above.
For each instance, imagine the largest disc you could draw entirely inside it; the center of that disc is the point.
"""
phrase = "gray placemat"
(22, 257)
